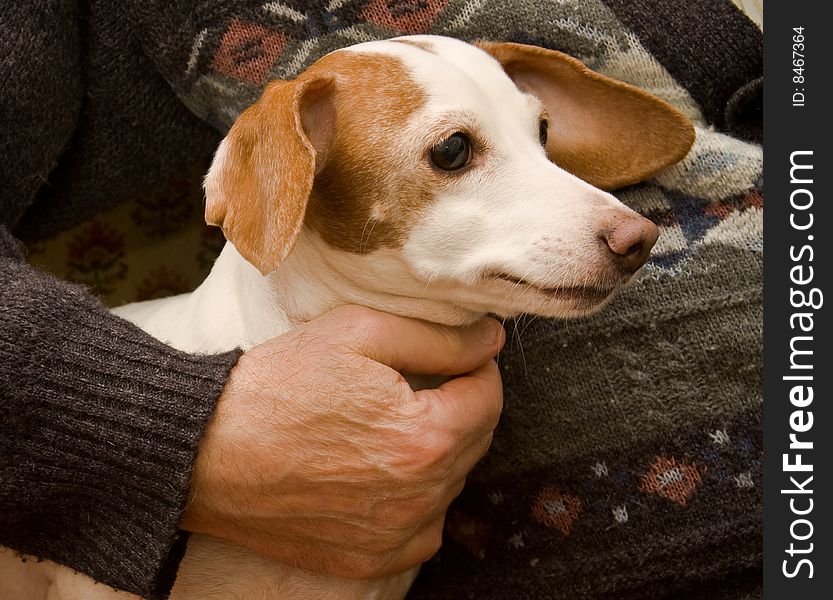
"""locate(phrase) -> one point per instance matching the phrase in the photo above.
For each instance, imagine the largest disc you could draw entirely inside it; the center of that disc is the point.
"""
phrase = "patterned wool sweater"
(628, 460)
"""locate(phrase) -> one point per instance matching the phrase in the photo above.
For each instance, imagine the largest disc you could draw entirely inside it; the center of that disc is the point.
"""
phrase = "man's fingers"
(470, 456)
(419, 347)
(469, 404)
(421, 547)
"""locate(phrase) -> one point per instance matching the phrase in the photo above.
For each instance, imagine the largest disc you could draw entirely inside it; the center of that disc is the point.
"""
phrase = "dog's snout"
(630, 240)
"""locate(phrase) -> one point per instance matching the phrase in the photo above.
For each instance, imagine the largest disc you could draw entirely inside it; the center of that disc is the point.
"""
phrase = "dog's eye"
(453, 153)
(543, 126)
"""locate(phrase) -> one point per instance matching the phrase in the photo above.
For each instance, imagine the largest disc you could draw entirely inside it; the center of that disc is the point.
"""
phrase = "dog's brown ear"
(262, 174)
(606, 132)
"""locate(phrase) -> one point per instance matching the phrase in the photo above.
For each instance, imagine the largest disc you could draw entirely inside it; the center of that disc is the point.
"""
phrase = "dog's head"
(470, 178)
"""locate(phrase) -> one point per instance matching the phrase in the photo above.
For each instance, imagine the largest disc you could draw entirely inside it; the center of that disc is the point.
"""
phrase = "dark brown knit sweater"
(99, 423)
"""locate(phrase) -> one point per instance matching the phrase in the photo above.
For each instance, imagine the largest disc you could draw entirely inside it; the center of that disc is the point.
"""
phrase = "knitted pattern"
(41, 96)
(100, 426)
(100, 422)
(716, 80)
(628, 460)
(87, 112)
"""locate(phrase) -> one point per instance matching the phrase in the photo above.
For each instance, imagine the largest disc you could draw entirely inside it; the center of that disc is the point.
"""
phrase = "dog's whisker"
(528, 322)
(518, 284)
(428, 282)
(365, 241)
(517, 338)
(370, 233)
(502, 324)
(362, 243)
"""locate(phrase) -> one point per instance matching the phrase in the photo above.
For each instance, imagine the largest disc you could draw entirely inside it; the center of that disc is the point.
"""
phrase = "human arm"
(321, 456)
(101, 425)
(89, 474)
(108, 423)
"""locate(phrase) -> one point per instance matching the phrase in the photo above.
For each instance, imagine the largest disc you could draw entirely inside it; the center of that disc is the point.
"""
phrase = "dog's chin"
(560, 305)
(454, 302)
(559, 301)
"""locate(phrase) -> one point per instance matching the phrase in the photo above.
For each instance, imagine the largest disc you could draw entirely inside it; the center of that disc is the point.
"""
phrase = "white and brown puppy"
(421, 176)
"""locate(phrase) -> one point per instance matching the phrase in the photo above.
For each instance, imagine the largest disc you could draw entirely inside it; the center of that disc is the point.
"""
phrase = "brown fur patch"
(325, 150)
(374, 182)
(606, 132)
(258, 191)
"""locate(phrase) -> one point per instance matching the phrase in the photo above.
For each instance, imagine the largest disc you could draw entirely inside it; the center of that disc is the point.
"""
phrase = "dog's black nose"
(630, 241)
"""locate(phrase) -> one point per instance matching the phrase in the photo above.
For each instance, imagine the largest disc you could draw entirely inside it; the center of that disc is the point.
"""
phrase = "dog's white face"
(433, 187)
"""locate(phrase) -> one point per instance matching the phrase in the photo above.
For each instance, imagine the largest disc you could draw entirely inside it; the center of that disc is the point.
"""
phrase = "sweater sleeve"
(100, 428)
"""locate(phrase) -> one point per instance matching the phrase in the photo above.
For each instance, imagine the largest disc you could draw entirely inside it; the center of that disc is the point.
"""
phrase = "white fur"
(519, 215)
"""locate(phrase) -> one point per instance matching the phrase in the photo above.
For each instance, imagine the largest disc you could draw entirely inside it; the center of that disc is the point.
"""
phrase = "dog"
(421, 176)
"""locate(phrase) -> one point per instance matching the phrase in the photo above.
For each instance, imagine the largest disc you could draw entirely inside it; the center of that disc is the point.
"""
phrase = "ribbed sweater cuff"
(101, 425)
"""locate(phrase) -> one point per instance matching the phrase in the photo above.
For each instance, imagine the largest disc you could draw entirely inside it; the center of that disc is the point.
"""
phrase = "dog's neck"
(310, 282)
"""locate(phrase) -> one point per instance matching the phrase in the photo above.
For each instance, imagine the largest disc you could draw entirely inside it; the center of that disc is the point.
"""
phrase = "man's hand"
(321, 456)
